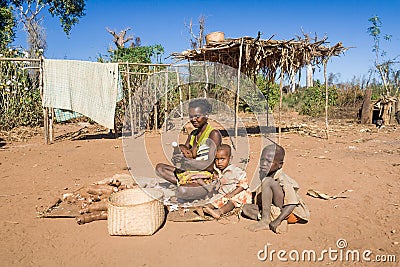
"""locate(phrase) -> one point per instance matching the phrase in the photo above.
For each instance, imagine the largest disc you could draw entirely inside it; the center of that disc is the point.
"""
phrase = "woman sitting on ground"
(194, 172)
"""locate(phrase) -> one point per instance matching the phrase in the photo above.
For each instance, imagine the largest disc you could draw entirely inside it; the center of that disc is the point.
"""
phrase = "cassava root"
(101, 189)
(90, 217)
(98, 206)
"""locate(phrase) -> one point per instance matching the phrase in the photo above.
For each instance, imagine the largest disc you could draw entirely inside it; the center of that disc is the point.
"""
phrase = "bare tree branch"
(119, 39)
(196, 41)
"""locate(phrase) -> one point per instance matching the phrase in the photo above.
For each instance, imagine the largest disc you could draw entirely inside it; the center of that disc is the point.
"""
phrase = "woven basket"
(135, 212)
(215, 37)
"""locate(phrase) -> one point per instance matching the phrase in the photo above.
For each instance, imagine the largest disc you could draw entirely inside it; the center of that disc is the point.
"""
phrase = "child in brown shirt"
(277, 197)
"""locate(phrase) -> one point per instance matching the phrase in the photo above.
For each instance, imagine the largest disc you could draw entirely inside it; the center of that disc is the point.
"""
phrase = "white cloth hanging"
(89, 88)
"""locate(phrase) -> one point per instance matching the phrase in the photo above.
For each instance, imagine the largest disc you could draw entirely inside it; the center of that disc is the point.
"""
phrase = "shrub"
(311, 101)
(20, 102)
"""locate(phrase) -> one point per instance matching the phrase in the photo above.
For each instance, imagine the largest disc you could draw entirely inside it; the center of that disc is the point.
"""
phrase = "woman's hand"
(177, 158)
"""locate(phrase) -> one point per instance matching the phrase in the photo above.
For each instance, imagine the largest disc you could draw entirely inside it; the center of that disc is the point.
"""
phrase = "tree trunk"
(365, 109)
(292, 81)
(309, 81)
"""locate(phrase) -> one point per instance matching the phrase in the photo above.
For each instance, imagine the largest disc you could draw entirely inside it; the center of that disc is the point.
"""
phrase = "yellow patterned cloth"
(187, 177)
(202, 149)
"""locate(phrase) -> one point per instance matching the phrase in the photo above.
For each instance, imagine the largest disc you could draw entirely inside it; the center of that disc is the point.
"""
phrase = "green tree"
(313, 99)
(67, 11)
(7, 25)
(269, 90)
(385, 67)
(138, 54)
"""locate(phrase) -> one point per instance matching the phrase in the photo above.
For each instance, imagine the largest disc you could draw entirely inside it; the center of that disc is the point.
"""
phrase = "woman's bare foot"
(214, 213)
(258, 226)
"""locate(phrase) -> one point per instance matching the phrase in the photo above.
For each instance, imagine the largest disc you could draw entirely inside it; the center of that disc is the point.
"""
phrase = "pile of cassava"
(91, 200)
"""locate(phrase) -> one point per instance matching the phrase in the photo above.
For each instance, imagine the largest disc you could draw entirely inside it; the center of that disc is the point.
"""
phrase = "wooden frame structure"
(47, 112)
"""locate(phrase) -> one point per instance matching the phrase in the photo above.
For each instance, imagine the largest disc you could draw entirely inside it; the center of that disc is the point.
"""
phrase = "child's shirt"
(291, 196)
(230, 178)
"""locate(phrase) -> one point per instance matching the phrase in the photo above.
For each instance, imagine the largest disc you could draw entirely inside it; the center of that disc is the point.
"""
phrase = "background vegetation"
(20, 102)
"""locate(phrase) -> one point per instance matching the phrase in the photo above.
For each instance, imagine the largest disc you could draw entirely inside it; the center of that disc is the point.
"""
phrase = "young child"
(202, 178)
(278, 200)
(186, 151)
(234, 190)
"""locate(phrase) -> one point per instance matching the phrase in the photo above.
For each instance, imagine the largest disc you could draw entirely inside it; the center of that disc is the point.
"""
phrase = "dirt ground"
(358, 158)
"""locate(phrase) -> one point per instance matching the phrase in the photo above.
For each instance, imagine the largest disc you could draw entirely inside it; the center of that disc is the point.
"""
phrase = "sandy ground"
(356, 157)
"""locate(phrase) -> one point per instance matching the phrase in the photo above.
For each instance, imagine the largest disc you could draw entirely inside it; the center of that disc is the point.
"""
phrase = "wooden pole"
(144, 64)
(189, 89)
(237, 94)
(267, 97)
(206, 87)
(180, 96)
(20, 59)
(51, 123)
(128, 81)
(142, 102)
(156, 85)
(135, 116)
(326, 101)
(46, 124)
(166, 100)
(44, 109)
(280, 106)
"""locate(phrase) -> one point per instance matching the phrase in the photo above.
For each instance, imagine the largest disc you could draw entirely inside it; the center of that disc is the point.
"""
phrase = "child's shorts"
(292, 218)
(275, 212)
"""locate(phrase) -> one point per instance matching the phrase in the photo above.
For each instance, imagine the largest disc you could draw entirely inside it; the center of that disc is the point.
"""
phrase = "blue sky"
(163, 22)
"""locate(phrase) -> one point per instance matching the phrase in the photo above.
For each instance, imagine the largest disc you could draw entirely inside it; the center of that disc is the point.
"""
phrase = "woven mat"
(188, 215)
(193, 214)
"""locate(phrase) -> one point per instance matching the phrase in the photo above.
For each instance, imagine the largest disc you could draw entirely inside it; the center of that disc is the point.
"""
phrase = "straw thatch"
(265, 55)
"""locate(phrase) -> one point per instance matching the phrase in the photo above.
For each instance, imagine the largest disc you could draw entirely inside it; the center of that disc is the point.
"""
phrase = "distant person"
(193, 175)
(278, 203)
(233, 185)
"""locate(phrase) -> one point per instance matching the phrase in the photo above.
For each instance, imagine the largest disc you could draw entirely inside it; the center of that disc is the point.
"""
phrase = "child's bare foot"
(282, 227)
(214, 213)
(258, 226)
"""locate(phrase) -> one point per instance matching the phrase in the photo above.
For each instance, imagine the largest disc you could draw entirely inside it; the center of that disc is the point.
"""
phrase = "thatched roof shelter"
(252, 55)
(268, 56)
